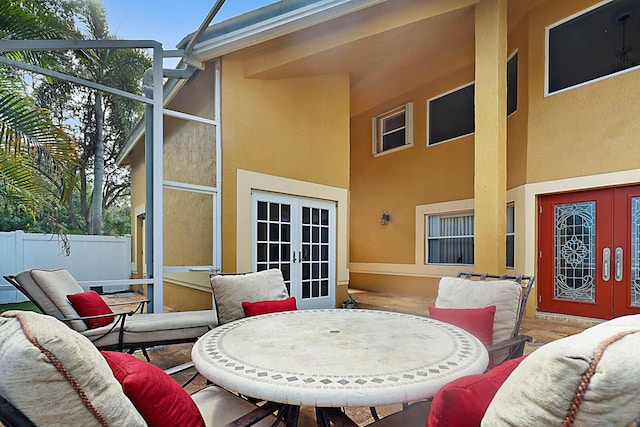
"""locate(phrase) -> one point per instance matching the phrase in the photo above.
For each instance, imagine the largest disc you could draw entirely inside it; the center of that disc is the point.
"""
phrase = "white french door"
(297, 236)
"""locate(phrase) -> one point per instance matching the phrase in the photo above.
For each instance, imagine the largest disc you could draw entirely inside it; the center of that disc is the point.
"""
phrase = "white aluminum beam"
(186, 116)
(43, 45)
(77, 80)
(157, 158)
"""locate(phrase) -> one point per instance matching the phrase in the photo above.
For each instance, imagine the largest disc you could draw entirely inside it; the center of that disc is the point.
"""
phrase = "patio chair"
(586, 379)
(50, 376)
(478, 291)
(238, 295)
(50, 291)
(489, 306)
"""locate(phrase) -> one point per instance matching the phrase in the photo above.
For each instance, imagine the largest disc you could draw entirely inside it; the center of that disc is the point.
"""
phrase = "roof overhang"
(259, 30)
(246, 30)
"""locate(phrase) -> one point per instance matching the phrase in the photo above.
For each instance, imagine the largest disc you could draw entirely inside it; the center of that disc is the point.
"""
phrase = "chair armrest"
(139, 308)
(98, 316)
(515, 346)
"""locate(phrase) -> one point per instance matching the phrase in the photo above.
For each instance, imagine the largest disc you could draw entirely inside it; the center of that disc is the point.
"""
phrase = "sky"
(168, 21)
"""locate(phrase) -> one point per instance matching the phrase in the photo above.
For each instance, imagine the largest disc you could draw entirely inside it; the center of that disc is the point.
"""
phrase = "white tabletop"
(337, 358)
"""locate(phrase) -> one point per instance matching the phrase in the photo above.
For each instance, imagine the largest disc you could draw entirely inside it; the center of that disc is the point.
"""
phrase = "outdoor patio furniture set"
(52, 374)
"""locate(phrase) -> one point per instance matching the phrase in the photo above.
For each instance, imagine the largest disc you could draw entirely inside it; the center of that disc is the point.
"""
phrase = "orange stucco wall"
(398, 181)
(290, 109)
(296, 128)
(583, 131)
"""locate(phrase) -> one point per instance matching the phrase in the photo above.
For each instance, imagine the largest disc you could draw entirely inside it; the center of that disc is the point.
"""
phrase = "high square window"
(451, 115)
(597, 43)
(393, 130)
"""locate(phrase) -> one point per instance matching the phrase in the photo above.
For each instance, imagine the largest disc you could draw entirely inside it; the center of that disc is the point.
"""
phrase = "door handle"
(606, 264)
(618, 264)
(294, 256)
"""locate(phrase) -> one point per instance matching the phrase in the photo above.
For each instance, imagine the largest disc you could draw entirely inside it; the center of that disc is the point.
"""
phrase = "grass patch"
(25, 306)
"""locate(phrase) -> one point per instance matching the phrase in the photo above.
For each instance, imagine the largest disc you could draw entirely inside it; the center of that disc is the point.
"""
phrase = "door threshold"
(589, 321)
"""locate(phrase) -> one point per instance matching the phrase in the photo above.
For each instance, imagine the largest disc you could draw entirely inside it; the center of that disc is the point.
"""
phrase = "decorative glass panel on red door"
(575, 251)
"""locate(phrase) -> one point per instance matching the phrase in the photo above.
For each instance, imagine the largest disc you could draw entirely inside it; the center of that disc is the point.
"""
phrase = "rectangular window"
(450, 239)
(510, 236)
(592, 45)
(512, 84)
(393, 129)
(451, 115)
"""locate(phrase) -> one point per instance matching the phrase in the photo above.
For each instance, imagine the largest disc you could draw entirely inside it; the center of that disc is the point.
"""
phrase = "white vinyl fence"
(92, 258)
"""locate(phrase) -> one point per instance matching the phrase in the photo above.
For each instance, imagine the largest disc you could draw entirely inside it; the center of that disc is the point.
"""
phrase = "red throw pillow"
(159, 398)
(272, 306)
(477, 321)
(90, 303)
(463, 402)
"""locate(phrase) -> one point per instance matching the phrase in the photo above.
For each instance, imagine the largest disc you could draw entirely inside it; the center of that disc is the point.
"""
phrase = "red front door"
(589, 246)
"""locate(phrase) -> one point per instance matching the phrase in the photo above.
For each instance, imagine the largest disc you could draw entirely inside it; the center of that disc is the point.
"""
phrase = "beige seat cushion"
(49, 288)
(47, 368)
(219, 407)
(157, 327)
(540, 390)
(229, 291)
(464, 293)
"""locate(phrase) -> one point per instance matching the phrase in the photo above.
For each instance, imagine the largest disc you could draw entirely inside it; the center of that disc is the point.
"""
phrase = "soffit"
(393, 53)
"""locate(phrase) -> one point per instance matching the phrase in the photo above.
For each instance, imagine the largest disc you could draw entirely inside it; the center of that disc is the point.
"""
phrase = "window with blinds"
(450, 239)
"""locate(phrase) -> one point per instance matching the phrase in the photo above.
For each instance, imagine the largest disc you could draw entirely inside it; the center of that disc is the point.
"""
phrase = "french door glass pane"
(575, 251)
(273, 238)
(315, 252)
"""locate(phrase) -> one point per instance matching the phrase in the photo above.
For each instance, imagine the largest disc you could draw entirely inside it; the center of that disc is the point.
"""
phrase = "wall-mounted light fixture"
(384, 219)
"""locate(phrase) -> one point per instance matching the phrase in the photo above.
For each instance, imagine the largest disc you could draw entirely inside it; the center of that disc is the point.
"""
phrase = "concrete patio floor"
(543, 329)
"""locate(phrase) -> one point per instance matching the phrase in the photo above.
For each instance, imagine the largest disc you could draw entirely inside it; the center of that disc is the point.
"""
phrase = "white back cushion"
(464, 293)
(230, 291)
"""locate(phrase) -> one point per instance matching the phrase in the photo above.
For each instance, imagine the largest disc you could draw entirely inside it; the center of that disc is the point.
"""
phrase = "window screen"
(452, 115)
(597, 43)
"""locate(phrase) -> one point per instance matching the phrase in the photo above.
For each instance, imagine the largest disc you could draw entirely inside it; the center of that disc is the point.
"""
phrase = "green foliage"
(24, 306)
(52, 144)
(117, 221)
(36, 154)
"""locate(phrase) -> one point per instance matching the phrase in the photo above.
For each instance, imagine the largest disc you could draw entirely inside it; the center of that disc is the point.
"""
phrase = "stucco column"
(490, 136)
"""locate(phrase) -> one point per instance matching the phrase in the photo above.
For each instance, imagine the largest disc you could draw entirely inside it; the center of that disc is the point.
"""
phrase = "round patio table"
(337, 358)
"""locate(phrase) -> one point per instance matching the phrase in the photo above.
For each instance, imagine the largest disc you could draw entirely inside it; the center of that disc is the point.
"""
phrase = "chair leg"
(144, 352)
(146, 355)
(374, 413)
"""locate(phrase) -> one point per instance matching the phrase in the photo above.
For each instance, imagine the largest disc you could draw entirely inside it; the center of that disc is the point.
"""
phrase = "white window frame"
(453, 208)
(377, 127)
(546, 54)
(464, 213)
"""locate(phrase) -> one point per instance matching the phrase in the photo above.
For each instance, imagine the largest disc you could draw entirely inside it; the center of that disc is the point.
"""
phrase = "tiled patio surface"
(543, 328)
